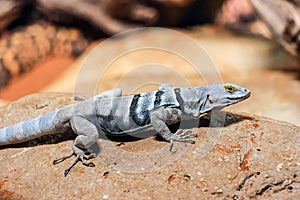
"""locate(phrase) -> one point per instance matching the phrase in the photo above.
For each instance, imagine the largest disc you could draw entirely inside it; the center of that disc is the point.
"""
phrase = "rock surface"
(250, 157)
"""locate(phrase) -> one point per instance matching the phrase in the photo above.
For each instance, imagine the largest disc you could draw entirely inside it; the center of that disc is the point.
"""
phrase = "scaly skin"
(111, 113)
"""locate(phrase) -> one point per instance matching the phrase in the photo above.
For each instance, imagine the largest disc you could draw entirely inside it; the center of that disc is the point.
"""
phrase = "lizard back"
(122, 114)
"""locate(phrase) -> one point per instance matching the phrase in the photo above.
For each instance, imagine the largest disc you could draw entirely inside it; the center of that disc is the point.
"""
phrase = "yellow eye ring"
(230, 88)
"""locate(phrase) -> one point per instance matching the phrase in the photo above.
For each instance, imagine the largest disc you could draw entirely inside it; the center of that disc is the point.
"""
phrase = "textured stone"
(250, 157)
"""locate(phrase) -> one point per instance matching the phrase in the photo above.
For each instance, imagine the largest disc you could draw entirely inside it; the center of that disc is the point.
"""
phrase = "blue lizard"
(114, 114)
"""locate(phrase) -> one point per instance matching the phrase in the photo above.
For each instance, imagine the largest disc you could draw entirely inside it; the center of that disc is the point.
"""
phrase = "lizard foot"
(182, 136)
(80, 156)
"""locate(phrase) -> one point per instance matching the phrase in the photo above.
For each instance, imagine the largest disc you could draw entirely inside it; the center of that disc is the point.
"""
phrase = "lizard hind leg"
(87, 136)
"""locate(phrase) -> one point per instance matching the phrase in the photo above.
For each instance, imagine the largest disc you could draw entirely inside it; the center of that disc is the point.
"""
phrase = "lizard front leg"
(87, 136)
(161, 117)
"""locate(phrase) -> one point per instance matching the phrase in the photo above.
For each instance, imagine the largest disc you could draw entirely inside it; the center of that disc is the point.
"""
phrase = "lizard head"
(222, 95)
(213, 97)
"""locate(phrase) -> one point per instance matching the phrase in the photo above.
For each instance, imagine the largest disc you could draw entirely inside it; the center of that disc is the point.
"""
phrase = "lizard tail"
(28, 130)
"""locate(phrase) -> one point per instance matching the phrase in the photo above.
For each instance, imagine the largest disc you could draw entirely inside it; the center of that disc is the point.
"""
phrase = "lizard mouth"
(240, 98)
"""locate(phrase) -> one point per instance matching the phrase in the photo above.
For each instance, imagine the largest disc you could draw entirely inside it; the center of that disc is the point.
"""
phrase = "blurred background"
(69, 46)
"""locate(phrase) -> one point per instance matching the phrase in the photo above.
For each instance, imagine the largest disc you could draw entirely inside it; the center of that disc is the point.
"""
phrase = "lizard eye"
(230, 88)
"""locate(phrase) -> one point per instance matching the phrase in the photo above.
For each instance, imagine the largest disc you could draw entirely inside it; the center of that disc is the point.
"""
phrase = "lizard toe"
(181, 135)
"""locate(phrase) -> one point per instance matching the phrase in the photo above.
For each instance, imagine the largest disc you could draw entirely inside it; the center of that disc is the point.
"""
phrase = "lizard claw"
(185, 135)
(61, 159)
(181, 136)
(80, 156)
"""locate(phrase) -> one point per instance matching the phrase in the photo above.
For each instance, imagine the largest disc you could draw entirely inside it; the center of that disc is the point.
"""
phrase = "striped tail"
(28, 130)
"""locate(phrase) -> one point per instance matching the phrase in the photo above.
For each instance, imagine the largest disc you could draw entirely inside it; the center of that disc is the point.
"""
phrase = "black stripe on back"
(157, 100)
(179, 98)
(140, 118)
(108, 123)
(134, 103)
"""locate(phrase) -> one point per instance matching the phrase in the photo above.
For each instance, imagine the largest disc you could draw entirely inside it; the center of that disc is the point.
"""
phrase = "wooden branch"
(10, 10)
(283, 19)
(94, 14)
